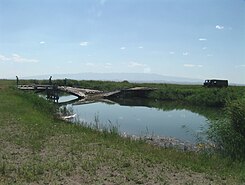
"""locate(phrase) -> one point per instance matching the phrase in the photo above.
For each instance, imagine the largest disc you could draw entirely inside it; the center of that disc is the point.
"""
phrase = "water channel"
(141, 117)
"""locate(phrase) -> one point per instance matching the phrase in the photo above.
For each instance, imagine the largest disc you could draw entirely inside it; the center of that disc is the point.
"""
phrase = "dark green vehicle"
(215, 83)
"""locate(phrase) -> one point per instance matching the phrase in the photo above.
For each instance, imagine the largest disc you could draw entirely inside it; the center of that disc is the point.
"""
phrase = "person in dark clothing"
(17, 80)
(50, 82)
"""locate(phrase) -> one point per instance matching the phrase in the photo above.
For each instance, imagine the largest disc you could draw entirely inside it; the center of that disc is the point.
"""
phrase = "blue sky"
(186, 38)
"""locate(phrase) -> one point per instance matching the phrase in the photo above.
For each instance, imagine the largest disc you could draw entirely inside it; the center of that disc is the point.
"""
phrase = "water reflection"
(208, 112)
(148, 117)
(67, 99)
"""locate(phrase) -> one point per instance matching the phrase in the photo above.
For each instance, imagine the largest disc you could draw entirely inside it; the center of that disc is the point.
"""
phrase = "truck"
(215, 83)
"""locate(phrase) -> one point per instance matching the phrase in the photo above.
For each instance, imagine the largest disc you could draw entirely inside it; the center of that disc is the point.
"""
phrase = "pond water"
(142, 117)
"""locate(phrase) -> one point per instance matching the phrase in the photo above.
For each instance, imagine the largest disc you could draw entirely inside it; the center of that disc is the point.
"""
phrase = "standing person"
(50, 82)
(17, 80)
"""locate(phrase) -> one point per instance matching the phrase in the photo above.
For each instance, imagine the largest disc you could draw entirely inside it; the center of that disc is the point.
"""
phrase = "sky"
(185, 38)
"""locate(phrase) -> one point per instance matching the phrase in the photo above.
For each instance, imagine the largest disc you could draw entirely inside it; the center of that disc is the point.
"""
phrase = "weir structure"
(81, 93)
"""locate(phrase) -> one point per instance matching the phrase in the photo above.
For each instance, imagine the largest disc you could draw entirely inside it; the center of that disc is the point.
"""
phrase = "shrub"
(236, 112)
(229, 134)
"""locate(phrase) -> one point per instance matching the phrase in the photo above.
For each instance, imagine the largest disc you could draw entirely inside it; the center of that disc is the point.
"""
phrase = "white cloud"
(108, 65)
(17, 58)
(204, 48)
(171, 52)
(20, 59)
(199, 65)
(83, 43)
(209, 55)
(140, 47)
(192, 65)
(189, 65)
(238, 66)
(123, 48)
(136, 64)
(219, 27)
(90, 64)
(4, 58)
(185, 53)
(202, 39)
(42, 42)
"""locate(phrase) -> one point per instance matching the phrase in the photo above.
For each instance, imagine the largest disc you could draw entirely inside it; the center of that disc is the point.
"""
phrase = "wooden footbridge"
(81, 93)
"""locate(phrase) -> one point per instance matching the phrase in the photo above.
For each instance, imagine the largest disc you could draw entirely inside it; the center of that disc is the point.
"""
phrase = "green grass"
(198, 95)
(229, 133)
(37, 147)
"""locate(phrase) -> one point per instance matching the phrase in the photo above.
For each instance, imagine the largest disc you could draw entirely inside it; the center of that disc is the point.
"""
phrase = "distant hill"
(131, 77)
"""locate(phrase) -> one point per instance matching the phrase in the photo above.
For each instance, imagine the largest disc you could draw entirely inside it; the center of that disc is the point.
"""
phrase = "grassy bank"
(198, 95)
(36, 147)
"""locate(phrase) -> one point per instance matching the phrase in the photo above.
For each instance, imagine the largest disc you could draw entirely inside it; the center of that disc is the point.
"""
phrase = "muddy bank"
(171, 142)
